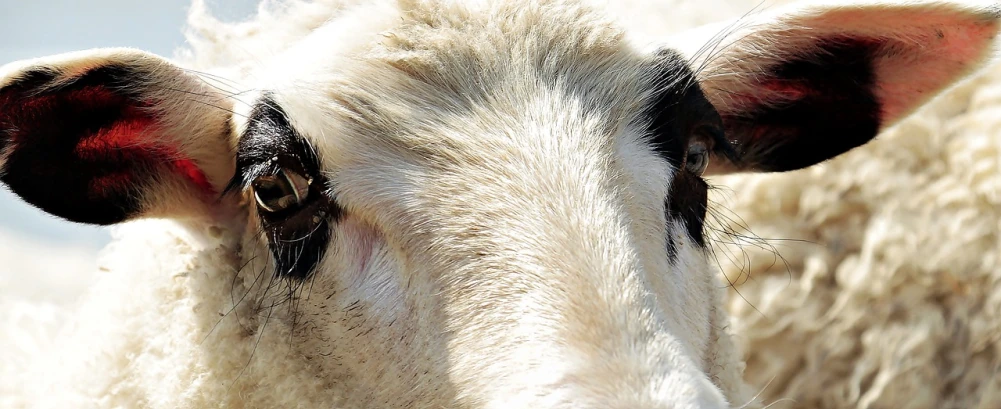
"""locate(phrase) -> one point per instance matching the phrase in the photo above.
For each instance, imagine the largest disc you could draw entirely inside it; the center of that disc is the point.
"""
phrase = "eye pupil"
(284, 191)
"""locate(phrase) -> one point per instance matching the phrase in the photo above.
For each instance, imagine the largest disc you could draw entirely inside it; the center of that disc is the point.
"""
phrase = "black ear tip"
(69, 198)
(33, 79)
(13, 93)
(57, 142)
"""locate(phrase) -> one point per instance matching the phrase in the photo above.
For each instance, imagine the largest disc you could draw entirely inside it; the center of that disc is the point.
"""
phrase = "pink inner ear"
(769, 92)
(123, 146)
(189, 169)
(910, 76)
(786, 90)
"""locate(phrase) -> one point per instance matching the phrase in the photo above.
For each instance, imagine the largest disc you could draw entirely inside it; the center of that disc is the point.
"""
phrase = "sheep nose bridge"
(674, 389)
(661, 379)
(550, 297)
(576, 340)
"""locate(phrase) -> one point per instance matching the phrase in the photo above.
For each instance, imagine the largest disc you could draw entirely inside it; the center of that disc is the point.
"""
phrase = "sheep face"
(492, 221)
(482, 206)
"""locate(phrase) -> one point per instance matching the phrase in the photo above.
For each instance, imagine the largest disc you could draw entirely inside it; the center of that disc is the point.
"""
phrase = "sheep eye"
(284, 191)
(697, 158)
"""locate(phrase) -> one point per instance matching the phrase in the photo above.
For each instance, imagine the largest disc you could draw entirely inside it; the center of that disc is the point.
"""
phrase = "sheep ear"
(106, 135)
(798, 87)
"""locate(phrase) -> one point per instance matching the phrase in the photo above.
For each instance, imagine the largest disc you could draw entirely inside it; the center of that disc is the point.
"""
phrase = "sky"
(37, 28)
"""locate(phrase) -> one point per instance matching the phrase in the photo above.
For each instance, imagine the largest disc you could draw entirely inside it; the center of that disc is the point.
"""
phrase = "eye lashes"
(269, 144)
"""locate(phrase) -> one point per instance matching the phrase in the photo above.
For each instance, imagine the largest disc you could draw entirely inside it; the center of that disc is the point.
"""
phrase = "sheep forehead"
(435, 70)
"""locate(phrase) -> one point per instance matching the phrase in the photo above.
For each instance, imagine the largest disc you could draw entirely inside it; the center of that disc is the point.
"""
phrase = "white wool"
(36, 291)
(159, 330)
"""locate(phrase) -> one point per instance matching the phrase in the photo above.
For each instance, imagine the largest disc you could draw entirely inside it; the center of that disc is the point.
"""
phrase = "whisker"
(236, 303)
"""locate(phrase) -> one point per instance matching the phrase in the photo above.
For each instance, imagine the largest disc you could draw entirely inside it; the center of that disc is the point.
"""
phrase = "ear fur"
(799, 86)
(107, 135)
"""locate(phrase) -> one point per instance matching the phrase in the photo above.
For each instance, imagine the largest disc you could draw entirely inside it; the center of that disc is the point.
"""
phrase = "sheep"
(435, 203)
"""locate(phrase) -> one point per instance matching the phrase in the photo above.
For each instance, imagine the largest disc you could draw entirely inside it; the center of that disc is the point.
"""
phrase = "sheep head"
(491, 205)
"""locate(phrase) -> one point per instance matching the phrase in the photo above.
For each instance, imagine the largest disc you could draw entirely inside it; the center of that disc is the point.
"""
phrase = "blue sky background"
(30, 29)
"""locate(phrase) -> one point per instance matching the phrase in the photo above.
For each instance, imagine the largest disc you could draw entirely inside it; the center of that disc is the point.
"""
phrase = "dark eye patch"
(678, 108)
(677, 112)
(297, 237)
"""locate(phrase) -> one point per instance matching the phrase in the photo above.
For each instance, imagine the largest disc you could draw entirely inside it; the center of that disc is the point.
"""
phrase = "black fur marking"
(687, 202)
(65, 156)
(679, 112)
(837, 111)
(297, 237)
(678, 109)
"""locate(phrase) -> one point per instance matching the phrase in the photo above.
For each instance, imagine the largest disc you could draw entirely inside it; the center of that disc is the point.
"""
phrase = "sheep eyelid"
(719, 144)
